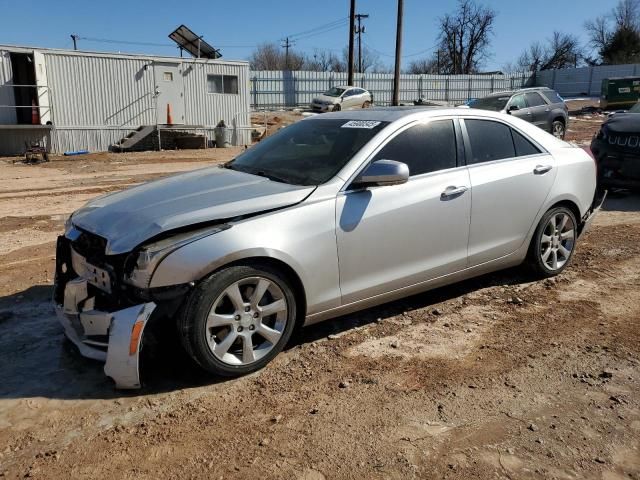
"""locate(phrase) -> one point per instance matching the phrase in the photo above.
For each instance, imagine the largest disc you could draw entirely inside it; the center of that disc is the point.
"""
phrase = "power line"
(320, 32)
(421, 52)
(320, 27)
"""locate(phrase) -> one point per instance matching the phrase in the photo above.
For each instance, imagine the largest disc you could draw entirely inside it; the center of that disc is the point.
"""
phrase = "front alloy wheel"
(238, 319)
(553, 242)
(246, 321)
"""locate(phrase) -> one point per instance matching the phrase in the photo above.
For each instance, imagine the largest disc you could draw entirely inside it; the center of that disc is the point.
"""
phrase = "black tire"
(336, 108)
(366, 104)
(534, 258)
(192, 322)
(558, 129)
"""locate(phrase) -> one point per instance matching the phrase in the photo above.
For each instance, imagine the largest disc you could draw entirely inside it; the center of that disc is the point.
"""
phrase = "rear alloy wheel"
(557, 129)
(366, 104)
(554, 242)
(239, 319)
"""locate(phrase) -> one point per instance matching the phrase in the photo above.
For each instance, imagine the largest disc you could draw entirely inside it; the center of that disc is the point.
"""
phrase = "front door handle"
(541, 169)
(453, 191)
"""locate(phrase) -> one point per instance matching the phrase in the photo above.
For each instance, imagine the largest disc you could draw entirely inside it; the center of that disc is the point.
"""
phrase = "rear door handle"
(541, 169)
(453, 191)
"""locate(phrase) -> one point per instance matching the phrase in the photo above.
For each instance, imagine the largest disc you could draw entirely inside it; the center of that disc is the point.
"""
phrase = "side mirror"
(513, 108)
(383, 172)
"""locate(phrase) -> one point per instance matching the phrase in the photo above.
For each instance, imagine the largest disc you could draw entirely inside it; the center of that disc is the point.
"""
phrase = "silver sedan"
(329, 216)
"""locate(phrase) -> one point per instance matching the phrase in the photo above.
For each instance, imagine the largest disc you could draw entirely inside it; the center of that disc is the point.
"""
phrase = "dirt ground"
(497, 377)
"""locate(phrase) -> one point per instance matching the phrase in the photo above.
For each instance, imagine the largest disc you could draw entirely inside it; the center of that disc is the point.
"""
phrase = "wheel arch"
(571, 205)
(281, 266)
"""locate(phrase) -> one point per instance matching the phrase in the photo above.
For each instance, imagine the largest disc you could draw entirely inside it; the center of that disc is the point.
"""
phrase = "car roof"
(520, 90)
(391, 114)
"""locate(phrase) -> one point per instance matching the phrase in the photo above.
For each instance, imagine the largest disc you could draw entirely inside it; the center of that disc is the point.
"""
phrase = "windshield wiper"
(272, 177)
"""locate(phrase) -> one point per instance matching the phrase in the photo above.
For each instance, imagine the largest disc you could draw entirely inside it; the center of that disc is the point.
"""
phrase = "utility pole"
(352, 21)
(287, 44)
(75, 38)
(454, 52)
(396, 72)
(360, 30)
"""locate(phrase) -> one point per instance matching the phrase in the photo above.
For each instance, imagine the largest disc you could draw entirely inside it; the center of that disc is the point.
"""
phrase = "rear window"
(552, 96)
(489, 140)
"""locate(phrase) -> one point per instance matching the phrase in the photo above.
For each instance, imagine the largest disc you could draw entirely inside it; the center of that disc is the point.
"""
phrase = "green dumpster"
(619, 92)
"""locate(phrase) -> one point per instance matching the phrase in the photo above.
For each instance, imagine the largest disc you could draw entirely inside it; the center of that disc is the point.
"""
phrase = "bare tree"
(626, 14)
(615, 37)
(321, 61)
(562, 50)
(465, 37)
(270, 56)
(370, 59)
(424, 65)
(599, 33)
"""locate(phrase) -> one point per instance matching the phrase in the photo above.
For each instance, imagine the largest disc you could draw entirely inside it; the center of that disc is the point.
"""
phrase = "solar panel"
(192, 43)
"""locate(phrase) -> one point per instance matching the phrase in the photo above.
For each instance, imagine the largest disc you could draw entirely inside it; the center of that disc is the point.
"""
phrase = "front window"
(334, 92)
(309, 152)
(635, 108)
(496, 104)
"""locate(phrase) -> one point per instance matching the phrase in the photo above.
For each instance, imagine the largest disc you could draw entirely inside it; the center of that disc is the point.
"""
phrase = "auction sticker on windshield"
(361, 124)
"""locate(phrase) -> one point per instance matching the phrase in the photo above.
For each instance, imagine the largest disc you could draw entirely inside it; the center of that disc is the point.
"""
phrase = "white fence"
(281, 89)
(571, 82)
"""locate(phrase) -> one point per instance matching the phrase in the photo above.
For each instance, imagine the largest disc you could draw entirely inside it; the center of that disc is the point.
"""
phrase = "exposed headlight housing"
(149, 256)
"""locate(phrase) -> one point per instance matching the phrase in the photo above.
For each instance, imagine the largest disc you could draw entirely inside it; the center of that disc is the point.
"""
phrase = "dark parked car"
(541, 106)
(616, 148)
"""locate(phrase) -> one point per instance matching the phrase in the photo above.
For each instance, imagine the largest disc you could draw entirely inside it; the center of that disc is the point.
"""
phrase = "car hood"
(624, 123)
(327, 98)
(128, 218)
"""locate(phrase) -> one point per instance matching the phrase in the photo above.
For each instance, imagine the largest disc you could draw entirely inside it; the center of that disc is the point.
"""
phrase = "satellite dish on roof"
(194, 44)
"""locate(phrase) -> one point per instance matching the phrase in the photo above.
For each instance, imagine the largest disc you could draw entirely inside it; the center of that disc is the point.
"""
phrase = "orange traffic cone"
(169, 119)
(35, 115)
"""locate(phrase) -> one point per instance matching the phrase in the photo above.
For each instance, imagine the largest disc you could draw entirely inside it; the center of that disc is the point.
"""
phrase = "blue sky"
(237, 26)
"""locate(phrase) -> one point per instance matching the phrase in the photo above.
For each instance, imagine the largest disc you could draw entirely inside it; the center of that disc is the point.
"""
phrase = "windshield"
(334, 92)
(309, 152)
(635, 108)
(495, 104)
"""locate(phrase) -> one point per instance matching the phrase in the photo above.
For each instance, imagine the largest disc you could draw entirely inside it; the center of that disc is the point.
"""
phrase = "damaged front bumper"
(111, 337)
(114, 336)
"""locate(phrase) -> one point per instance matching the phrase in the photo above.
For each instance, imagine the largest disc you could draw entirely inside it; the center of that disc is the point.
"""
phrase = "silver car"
(342, 98)
(331, 215)
(539, 105)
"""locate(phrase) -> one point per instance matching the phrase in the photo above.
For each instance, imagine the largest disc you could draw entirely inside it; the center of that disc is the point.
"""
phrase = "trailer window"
(222, 84)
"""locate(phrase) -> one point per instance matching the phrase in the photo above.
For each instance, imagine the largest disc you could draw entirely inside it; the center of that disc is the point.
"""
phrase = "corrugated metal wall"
(571, 82)
(7, 115)
(100, 91)
(202, 108)
(277, 89)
